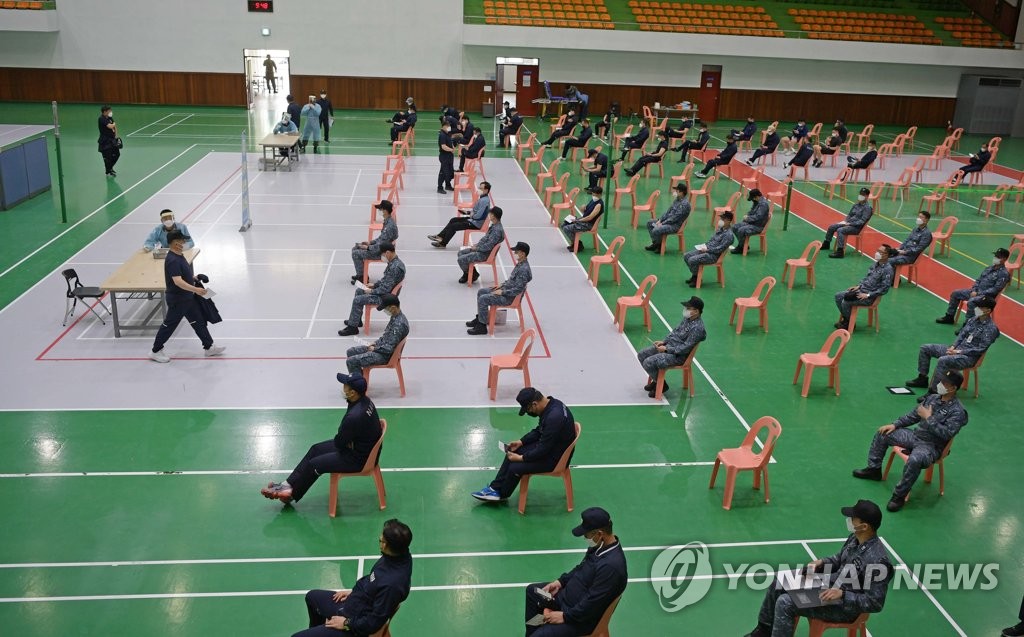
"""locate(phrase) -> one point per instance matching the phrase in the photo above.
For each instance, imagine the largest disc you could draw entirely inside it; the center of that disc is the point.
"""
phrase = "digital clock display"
(261, 6)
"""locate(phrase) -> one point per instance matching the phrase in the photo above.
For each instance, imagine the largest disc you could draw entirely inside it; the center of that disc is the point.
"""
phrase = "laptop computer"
(805, 590)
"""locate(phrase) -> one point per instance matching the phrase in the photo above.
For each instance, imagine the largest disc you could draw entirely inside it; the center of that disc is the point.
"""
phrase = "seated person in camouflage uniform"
(380, 352)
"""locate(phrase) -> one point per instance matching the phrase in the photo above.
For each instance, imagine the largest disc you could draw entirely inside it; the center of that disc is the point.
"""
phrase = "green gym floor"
(164, 532)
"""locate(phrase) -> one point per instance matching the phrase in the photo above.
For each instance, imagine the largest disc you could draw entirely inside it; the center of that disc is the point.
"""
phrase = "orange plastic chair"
(467, 234)
(562, 470)
(526, 147)
(385, 630)
(648, 207)
(1013, 262)
(839, 182)
(628, 189)
(557, 188)
(397, 291)
(942, 234)
(568, 204)
(686, 367)
(370, 469)
(908, 270)
(864, 135)
(394, 363)
(821, 358)
(911, 135)
(995, 199)
(465, 183)
(719, 269)
(730, 206)
(857, 626)
(518, 359)
(552, 173)
(625, 134)
(610, 257)
(875, 194)
(902, 183)
(395, 170)
(602, 626)
(744, 458)
(753, 180)
(538, 157)
(680, 235)
(683, 176)
(516, 304)
(903, 454)
(762, 237)
(476, 164)
(641, 299)
(705, 192)
(872, 315)
(967, 371)
(755, 301)
(937, 197)
(492, 261)
(389, 185)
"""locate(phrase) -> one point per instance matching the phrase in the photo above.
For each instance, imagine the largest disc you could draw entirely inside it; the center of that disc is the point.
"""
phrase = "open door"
(517, 81)
(267, 73)
(709, 92)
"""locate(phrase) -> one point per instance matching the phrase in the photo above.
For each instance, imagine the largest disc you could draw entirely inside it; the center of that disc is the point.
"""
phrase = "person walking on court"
(311, 128)
(672, 351)
(446, 157)
(574, 603)
(375, 598)
(347, 452)
(536, 452)
(326, 115)
(367, 250)
(270, 74)
(709, 252)
(502, 295)
(180, 294)
(394, 273)
(109, 142)
(379, 353)
(671, 221)
(988, 285)
(481, 250)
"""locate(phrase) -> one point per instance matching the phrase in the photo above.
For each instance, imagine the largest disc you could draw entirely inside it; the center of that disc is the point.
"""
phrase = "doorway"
(709, 92)
(266, 83)
(517, 82)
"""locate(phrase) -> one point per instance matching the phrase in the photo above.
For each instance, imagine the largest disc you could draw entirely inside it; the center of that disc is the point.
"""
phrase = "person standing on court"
(380, 352)
(710, 251)
(158, 237)
(374, 600)
(270, 74)
(368, 250)
(481, 250)
(347, 452)
(294, 111)
(504, 294)
(181, 303)
(672, 351)
(574, 603)
(671, 221)
(326, 115)
(394, 273)
(311, 128)
(107, 141)
(753, 222)
(446, 157)
(536, 452)
(467, 219)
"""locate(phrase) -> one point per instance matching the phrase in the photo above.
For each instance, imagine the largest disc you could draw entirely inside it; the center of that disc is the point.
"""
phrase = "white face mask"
(978, 312)
(941, 389)
(322, 95)
(596, 198)
(170, 224)
(921, 221)
(878, 255)
(862, 198)
(850, 525)
(996, 261)
(592, 543)
(721, 223)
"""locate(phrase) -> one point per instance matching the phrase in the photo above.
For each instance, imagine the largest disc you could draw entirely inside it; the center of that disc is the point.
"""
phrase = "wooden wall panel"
(227, 89)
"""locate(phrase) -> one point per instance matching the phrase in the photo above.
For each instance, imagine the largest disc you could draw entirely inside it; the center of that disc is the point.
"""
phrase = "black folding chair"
(78, 291)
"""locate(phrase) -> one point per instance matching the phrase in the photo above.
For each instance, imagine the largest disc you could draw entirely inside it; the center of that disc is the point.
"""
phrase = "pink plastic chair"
(872, 315)
(719, 267)
(518, 359)
(821, 358)
(904, 454)
(516, 304)
(370, 469)
(395, 363)
(765, 288)
(806, 260)
(686, 367)
(561, 470)
(492, 261)
(744, 458)
(610, 257)
(705, 192)
(857, 627)
(642, 300)
(941, 236)
(648, 207)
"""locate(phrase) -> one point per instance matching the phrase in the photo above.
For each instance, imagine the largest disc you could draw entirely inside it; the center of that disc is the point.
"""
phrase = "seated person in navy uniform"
(722, 159)
(564, 130)
(347, 452)
(504, 294)
(602, 128)
(585, 221)
(988, 285)
(754, 222)
(700, 143)
(709, 253)
(511, 127)
(748, 131)
(875, 283)
(830, 147)
(473, 149)
(481, 250)
(976, 163)
(536, 452)
(798, 133)
(597, 170)
(472, 219)
(578, 141)
(916, 243)
(635, 141)
(972, 341)
(403, 122)
(803, 154)
(854, 223)
(574, 603)
(650, 158)
(672, 351)
(671, 221)
(858, 575)
(867, 159)
(939, 418)
(380, 352)
(158, 236)
(394, 273)
(771, 142)
(374, 599)
(368, 250)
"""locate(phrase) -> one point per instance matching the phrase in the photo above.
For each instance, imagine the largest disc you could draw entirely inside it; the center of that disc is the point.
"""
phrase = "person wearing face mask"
(748, 131)
(574, 603)
(536, 452)
(565, 130)
(511, 127)
(108, 140)
(915, 244)
(650, 158)
(294, 111)
(578, 141)
(394, 273)
(402, 122)
(771, 143)
(326, 115)
(802, 155)
(858, 579)
(709, 252)
(158, 236)
(798, 133)
(585, 221)
(467, 219)
(365, 250)
(976, 163)
(671, 221)
(973, 340)
(754, 222)
(854, 223)
(446, 157)
(502, 295)
(286, 126)
(875, 283)
(379, 353)
(374, 599)
(867, 159)
(311, 129)
(596, 170)
(672, 351)
(939, 418)
(722, 159)
(473, 150)
(347, 452)
(987, 286)
(481, 250)
(701, 143)
(830, 147)
(635, 141)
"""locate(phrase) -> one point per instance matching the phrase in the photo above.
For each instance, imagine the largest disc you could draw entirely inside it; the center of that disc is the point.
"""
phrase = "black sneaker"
(476, 275)
(474, 322)
(762, 630)
(441, 191)
(652, 248)
(464, 278)
(868, 473)
(895, 504)
(838, 254)
(348, 331)
(946, 319)
(449, 187)
(920, 381)
(477, 330)
(355, 277)
(1013, 631)
(651, 385)
(841, 324)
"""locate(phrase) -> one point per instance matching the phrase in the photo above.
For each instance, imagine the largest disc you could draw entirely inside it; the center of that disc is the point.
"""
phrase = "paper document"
(210, 293)
(362, 286)
(570, 219)
(543, 593)
(503, 446)
(701, 246)
(362, 341)
(536, 620)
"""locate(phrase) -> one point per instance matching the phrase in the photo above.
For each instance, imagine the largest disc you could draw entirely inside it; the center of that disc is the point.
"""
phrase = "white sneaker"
(159, 357)
(215, 351)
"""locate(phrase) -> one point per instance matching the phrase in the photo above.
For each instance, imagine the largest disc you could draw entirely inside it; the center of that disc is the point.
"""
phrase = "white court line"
(249, 472)
(320, 296)
(189, 116)
(354, 184)
(82, 220)
(135, 132)
(924, 589)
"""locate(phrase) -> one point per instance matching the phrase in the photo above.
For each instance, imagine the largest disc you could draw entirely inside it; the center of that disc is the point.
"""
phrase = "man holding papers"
(536, 452)
(481, 250)
(573, 225)
(672, 351)
(365, 295)
(708, 253)
(853, 581)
